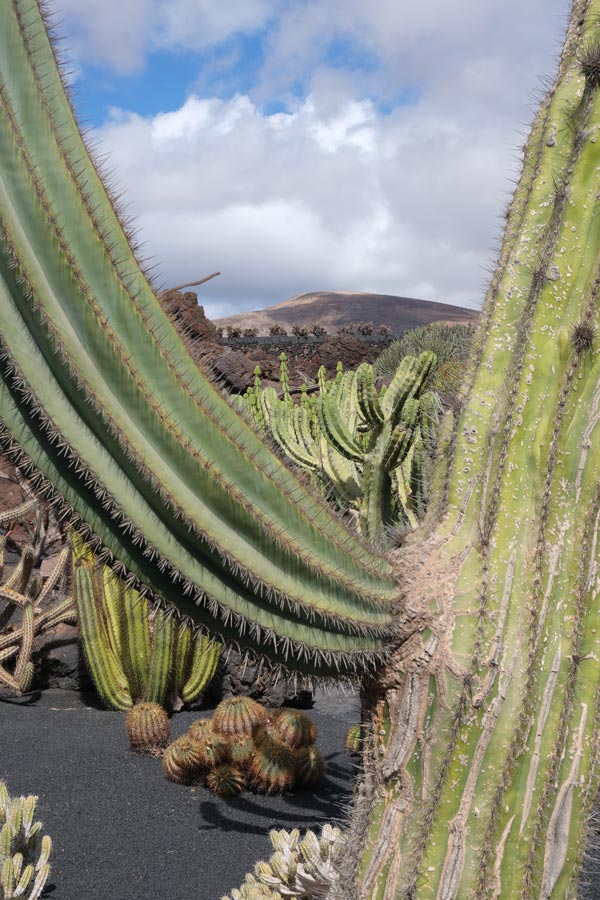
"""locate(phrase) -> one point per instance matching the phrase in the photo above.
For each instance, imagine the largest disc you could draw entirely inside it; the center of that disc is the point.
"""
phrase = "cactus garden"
(199, 529)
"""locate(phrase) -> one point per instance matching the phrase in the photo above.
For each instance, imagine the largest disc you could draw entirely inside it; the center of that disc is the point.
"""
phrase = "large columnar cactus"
(482, 755)
(136, 653)
(103, 408)
(373, 448)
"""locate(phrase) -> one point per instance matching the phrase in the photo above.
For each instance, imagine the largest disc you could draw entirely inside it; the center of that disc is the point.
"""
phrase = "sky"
(313, 145)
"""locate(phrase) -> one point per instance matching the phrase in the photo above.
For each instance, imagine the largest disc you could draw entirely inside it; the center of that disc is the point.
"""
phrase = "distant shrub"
(448, 342)
(250, 332)
(317, 329)
(384, 331)
(364, 328)
(233, 332)
(300, 330)
(275, 330)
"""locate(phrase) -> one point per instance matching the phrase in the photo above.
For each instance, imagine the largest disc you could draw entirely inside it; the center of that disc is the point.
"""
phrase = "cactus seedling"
(183, 761)
(295, 728)
(353, 739)
(148, 728)
(226, 780)
(310, 766)
(239, 715)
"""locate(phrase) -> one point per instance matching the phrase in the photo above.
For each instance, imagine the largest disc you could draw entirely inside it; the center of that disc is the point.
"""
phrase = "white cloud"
(333, 193)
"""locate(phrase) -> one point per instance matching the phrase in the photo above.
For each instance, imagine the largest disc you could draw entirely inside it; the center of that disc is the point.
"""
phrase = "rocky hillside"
(336, 309)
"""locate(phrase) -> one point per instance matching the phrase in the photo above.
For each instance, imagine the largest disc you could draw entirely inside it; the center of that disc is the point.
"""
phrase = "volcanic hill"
(335, 309)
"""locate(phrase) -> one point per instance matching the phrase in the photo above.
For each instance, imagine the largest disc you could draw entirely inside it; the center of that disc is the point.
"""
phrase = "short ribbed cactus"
(302, 868)
(309, 767)
(148, 729)
(354, 739)
(24, 852)
(135, 652)
(272, 767)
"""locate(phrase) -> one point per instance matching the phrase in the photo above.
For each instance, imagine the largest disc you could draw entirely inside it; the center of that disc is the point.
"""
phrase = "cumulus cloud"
(384, 168)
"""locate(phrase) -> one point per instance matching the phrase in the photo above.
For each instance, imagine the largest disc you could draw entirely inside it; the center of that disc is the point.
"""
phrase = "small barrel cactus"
(24, 853)
(309, 766)
(148, 728)
(212, 749)
(295, 728)
(183, 761)
(239, 715)
(199, 729)
(226, 780)
(272, 767)
(241, 748)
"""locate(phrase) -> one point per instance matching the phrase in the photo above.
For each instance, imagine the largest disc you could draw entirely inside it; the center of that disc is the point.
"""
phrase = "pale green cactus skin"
(301, 868)
(484, 749)
(111, 419)
(374, 448)
(24, 851)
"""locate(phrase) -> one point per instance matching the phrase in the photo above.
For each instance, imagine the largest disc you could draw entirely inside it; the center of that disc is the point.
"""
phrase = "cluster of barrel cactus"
(24, 852)
(136, 652)
(245, 746)
(25, 608)
(300, 868)
(373, 448)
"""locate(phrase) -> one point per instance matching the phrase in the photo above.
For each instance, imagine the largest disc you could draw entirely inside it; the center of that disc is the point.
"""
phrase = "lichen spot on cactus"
(147, 726)
(226, 780)
(582, 337)
(310, 767)
(238, 715)
(295, 728)
(588, 60)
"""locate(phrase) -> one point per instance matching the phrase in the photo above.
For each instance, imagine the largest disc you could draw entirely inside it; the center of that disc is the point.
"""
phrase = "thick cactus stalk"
(106, 412)
(482, 739)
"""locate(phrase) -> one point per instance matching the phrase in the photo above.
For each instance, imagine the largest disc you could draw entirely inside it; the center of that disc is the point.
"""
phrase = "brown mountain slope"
(334, 309)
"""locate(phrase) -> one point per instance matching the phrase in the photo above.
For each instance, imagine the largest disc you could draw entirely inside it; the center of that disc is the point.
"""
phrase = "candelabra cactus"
(375, 449)
(24, 852)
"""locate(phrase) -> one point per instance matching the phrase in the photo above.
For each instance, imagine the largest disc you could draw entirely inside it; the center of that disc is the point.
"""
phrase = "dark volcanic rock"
(58, 661)
(238, 679)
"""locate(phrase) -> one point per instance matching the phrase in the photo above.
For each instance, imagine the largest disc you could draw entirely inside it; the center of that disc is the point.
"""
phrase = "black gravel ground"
(120, 830)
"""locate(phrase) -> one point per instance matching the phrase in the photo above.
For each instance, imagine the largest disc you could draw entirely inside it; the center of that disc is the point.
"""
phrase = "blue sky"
(300, 145)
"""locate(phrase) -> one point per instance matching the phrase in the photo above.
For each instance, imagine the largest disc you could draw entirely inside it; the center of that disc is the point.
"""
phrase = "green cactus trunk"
(102, 406)
(483, 750)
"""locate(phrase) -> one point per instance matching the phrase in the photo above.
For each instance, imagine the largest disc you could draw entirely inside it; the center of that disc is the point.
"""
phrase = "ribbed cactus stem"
(482, 746)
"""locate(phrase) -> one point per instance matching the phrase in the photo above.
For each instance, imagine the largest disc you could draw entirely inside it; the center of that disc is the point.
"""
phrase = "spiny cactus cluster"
(134, 652)
(373, 448)
(245, 746)
(24, 852)
(300, 868)
(27, 596)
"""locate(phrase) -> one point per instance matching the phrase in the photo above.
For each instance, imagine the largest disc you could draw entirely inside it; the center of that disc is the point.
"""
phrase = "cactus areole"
(482, 760)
